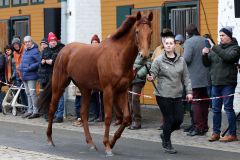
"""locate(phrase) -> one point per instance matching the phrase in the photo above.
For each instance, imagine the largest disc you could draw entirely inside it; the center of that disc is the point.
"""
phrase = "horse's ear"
(138, 15)
(150, 16)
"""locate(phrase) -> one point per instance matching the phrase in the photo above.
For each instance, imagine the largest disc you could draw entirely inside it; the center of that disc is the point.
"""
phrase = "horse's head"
(143, 32)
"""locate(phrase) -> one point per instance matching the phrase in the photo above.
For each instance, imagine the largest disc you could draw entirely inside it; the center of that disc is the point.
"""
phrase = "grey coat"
(171, 77)
(199, 74)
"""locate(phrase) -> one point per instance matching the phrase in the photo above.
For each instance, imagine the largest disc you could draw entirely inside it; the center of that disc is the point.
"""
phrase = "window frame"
(20, 3)
(4, 5)
(36, 3)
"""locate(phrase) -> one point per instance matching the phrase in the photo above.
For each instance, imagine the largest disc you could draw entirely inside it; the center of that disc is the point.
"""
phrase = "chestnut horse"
(107, 67)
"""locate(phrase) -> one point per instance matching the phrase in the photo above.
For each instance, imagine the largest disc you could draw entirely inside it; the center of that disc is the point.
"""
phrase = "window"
(181, 17)
(4, 3)
(62, 0)
(237, 11)
(37, 1)
(20, 2)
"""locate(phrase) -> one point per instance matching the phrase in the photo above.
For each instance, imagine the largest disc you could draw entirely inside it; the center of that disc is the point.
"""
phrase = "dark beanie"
(227, 31)
(44, 40)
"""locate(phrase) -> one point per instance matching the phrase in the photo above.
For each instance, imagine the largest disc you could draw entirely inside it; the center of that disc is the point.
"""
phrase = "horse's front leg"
(121, 101)
(107, 98)
(86, 97)
(51, 112)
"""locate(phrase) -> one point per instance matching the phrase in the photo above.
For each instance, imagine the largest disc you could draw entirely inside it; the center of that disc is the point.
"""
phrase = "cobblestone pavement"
(9, 153)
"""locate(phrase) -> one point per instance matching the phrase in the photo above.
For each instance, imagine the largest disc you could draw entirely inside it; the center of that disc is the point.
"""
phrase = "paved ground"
(29, 142)
(148, 133)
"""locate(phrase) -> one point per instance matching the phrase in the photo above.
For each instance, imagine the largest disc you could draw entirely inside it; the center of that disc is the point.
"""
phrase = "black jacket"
(45, 70)
(222, 60)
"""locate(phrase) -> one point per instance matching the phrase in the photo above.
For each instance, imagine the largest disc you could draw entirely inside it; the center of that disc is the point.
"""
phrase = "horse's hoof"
(93, 147)
(50, 143)
(109, 153)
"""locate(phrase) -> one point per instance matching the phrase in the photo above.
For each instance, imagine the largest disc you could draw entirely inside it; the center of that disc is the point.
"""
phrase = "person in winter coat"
(43, 44)
(2, 76)
(222, 60)
(200, 79)
(29, 68)
(2, 68)
(179, 39)
(48, 59)
(95, 109)
(18, 49)
(172, 76)
(10, 69)
(137, 86)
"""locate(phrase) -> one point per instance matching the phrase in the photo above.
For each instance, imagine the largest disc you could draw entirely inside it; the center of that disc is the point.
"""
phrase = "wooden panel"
(209, 18)
(108, 8)
(155, 40)
(3, 34)
(148, 90)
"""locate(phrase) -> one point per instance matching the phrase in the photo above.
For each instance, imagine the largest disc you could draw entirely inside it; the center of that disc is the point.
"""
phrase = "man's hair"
(191, 29)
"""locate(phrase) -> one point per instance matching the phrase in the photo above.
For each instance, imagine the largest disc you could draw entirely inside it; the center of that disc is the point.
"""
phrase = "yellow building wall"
(36, 16)
(108, 12)
(208, 15)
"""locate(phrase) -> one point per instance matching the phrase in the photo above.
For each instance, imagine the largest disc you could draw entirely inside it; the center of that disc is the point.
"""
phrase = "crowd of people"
(195, 68)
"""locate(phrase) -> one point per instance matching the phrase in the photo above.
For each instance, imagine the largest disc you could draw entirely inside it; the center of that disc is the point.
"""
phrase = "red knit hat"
(95, 37)
(52, 36)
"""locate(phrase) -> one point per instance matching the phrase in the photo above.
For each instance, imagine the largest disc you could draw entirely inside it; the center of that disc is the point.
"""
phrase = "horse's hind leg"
(86, 97)
(58, 87)
(121, 101)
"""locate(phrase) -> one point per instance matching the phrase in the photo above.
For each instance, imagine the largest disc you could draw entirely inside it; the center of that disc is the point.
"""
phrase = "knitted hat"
(227, 30)
(167, 33)
(52, 36)
(16, 40)
(179, 37)
(95, 38)
(44, 40)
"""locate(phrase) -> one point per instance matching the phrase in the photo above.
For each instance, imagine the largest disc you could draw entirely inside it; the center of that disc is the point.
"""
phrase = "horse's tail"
(45, 98)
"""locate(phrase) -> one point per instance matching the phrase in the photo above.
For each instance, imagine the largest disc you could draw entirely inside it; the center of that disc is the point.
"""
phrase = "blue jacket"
(29, 64)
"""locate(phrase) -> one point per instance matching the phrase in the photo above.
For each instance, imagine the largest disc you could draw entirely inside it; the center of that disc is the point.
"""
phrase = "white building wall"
(84, 21)
(81, 19)
(226, 17)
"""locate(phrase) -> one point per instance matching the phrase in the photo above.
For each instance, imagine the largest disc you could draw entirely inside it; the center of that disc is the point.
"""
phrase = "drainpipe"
(64, 27)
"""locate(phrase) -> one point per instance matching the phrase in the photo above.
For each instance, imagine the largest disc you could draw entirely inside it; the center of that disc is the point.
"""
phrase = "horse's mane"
(125, 27)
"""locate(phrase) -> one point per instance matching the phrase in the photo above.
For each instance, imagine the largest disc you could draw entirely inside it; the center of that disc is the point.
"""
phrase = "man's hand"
(150, 78)
(43, 61)
(49, 61)
(205, 50)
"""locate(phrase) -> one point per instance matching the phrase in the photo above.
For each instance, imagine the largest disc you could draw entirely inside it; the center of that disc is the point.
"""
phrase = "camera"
(207, 44)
